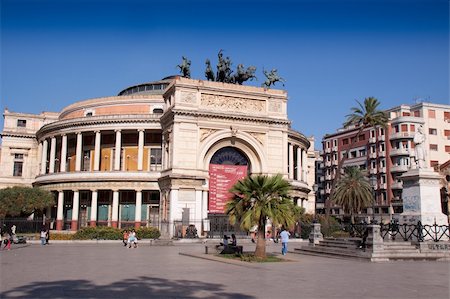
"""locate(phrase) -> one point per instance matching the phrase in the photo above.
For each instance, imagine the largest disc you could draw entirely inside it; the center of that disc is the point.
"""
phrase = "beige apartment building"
(386, 154)
(157, 154)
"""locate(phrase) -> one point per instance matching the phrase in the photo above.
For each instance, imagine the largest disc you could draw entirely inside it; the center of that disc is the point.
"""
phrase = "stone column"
(374, 240)
(52, 155)
(75, 209)
(60, 211)
(138, 211)
(63, 162)
(94, 204)
(140, 150)
(304, 165)
(115, 209)
(117, 150)
(44, 156)
(97, 151)
(198, 211)
(291, 161)
(79, 154)
(299, 164)
(173, 210)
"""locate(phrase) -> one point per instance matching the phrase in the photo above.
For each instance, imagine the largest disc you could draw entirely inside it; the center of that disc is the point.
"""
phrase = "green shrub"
(100, 232)
(328, 224)
(58, 236)
(148, 233)
(340, 234)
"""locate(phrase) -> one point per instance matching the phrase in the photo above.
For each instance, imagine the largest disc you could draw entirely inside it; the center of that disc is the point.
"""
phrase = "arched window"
(230, 156)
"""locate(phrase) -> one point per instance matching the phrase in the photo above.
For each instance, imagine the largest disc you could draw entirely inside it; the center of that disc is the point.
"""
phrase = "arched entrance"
(227, 166)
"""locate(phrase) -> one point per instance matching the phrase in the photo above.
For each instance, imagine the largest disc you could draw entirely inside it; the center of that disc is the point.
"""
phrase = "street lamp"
(373, 183)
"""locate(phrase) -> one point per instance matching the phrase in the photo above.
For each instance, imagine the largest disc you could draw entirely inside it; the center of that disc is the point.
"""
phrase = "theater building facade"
(158, 154)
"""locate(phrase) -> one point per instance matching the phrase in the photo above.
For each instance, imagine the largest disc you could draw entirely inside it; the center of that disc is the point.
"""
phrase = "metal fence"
(23, 225)
(417, 232)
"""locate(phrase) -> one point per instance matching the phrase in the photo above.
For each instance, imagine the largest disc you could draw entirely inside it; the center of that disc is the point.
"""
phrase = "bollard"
(206, 249)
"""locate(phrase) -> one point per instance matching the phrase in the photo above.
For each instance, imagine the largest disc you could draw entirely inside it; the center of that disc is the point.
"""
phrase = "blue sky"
(330, 52)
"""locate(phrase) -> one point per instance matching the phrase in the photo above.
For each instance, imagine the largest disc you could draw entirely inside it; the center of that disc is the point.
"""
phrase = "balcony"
(328, 190)
(381, 154)
(381, 138)
(328, 177)
(335, 149)
(401, 135)
(328, 150)
(373, 171)
(397, 185)
(382, 169)
(322, 192)
(399, 152)
(335, 162)
(327, 163)
(383, 186)
(372, 140)
(373, 155)
(399, 168)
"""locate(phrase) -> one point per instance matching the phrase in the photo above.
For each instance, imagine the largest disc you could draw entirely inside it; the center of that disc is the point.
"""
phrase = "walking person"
(43, 236)
(284, 235)
(7, 241)
(132, 239)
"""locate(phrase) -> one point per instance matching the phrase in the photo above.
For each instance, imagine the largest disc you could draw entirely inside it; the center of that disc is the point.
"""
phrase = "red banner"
(221, 179)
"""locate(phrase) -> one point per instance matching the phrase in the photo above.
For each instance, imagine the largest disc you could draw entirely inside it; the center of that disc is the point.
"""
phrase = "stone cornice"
(85, 122)
(16, 134)
(299, 137)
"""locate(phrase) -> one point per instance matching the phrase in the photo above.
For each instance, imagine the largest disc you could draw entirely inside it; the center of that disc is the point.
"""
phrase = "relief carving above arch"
(232, 103)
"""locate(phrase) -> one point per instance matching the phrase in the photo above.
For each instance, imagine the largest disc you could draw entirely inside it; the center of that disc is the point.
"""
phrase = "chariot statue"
(209, 73)
(223, 68)
(243, 75)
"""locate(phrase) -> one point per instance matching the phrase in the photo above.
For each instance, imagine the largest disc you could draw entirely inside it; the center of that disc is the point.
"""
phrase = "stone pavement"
(109, 270)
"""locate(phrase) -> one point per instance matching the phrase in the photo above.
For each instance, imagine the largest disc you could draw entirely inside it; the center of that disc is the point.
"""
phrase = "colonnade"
(114, 219)
(48, 160)
(300, 171)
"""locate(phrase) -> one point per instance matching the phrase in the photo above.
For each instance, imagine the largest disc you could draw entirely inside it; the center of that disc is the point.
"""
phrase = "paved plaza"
(113, 271)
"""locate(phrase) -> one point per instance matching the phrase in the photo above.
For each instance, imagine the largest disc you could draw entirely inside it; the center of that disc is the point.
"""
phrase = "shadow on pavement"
(142, 287)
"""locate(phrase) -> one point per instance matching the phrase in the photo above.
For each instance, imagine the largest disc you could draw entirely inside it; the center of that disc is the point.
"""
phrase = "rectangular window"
(362, 137)
(417, 113)
(434, 163)
(432, 131)
(21, 123)
(404, 128)
(406, 114)
(335, 142)
(155, 158)
(447, 148)
(345, 141)
(353, 154)
(18, 166)
(446, 116)
(412, 128)
(433, 147)
(431, 113)
(447, 133)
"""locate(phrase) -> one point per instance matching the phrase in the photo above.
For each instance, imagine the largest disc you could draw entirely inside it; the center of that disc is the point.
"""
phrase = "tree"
(363, 116)
(353, 191)
(257, 199)
(16, 201)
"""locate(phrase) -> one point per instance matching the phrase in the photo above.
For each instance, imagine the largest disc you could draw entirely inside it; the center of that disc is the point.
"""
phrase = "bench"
(220, 249)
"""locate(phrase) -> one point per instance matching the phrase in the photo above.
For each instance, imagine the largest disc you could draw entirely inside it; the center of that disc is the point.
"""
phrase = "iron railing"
(417, 232)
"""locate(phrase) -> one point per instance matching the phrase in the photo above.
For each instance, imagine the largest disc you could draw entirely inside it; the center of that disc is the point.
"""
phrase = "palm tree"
(363, 116)
(257, 199)
(353, 191)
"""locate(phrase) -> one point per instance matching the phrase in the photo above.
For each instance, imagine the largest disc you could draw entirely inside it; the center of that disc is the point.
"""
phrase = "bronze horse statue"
(243, 75)
(185, 67)
(209, 73)
(272, 78)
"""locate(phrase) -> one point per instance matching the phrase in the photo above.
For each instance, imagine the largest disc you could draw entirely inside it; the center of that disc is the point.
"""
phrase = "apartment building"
(385, 153)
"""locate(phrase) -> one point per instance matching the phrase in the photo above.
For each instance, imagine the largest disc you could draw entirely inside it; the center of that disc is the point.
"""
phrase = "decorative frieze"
(205, 133)
(219, 102)
(188, 97)
(274, 106)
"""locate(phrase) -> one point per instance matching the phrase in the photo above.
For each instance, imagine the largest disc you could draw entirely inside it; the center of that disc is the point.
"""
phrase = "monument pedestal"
(422, 198)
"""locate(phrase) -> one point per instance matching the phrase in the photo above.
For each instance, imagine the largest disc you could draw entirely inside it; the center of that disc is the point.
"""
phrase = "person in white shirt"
(284, 235)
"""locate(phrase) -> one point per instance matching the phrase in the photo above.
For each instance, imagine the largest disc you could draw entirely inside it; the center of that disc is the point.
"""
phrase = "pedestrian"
(13, 233)
(47, 237)
(125, 238)
(284, 235)
(132, 239)
(253, 231)
(43, 236)
(7, 241)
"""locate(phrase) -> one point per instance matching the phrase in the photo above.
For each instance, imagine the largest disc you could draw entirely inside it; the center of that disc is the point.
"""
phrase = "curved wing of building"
(157, 154)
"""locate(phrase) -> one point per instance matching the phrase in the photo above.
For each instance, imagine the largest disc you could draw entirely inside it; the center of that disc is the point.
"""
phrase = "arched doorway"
(227, 166)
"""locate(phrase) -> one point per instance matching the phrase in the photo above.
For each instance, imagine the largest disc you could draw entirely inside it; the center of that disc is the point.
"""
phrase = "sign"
(221, 179)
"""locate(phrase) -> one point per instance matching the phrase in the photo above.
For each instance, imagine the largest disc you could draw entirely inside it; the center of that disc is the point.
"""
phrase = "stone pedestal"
(374, 240)
(316, 235)
(421, 198)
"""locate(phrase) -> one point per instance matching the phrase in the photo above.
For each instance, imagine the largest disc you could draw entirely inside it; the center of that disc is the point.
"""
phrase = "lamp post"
(373, 183)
